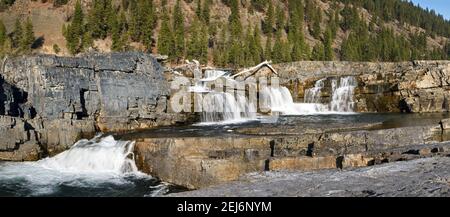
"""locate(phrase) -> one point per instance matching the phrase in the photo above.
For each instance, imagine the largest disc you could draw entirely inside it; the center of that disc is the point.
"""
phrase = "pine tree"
(117, 44)
(194, 38)
(318, 52)
(99, 18)
(27, 37)
(280, 19)
(299, 48)
(317, 19)
(235, 21)
(257, 49)
(220, 52)
(148, 14)
(206, 11)
(178, 29)
(203, 44)
(327, 44)
(277, 51)
(198, 10)
(17, 33)
(332, 25)
(269, 20)
(166, 44)
(134, 25)
(268, 48)
(248, 48)
(3, 34)
(75, 31)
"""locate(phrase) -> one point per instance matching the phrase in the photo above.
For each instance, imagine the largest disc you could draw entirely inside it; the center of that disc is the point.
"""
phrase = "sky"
(440, 6)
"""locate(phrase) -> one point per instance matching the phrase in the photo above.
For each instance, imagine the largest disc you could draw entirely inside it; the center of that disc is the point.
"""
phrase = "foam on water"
(95, 163)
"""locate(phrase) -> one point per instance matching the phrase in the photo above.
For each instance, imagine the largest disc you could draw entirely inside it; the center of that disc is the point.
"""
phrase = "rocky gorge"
(47, 103)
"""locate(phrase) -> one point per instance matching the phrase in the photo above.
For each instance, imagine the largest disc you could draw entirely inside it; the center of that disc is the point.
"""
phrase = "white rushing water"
(342, 99)
(342, 96)
(219, 107)
(93, 164)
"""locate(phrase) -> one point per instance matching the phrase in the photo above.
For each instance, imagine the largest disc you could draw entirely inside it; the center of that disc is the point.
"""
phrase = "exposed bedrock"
(200, 162)
(47, 103)
(419, 86)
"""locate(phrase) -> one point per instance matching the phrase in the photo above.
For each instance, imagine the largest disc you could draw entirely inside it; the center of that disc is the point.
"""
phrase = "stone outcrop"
(427, 177)
(62, 99)
(419, 86)
(197, 162)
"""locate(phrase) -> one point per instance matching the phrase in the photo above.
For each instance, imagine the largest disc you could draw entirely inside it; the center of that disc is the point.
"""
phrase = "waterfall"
(99, 166)
(313, 95)
(94, 156)
(341, 99)
(220, 107)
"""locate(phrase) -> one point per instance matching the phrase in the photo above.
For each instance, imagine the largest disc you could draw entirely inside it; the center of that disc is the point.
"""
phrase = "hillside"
(367, 30)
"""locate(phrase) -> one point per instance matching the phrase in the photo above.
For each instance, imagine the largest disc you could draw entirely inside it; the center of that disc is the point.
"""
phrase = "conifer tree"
(206, 11)
(257, 50)
(148, 16)
(317, 19)
(17, 33)
(235, 21)
(3, 34)
(198, 9)
(248, 48)
(332, 25)
(75, 31)
(269, 19)
(116, 35)
(178, 29)
(27, 37)
(277, 51)
(318, 52)
(203, 44)
(268, 48)
(327, 44)
(280, 19)
(166, 44)
(99, 18)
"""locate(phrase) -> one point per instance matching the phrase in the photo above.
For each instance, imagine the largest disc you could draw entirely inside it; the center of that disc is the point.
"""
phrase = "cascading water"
(313, 95)
(98, 155)
(101, 166)
(341, 99)
(220, 107)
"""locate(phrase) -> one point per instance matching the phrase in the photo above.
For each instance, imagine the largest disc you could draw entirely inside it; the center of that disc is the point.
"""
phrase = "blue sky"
(440, 6)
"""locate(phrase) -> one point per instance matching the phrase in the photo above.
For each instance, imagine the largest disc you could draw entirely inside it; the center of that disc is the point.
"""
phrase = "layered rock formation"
(50, 102)
(197, 162)
(418, 178)
(419, 86)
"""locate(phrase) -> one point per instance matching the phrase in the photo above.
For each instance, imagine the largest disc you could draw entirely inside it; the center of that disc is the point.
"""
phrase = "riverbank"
(429, 177)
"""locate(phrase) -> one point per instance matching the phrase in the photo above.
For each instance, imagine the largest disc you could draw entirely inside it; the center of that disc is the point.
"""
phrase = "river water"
(105, 166)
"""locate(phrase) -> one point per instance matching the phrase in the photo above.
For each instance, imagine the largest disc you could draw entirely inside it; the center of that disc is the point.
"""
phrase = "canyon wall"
(416, 86)
(47, 103)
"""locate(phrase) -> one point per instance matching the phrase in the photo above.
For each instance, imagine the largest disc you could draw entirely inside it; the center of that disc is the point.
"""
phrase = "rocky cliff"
(49, 102)
(419, 86)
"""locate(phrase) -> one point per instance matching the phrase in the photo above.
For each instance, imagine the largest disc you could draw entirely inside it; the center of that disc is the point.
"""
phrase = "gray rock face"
(63, 98)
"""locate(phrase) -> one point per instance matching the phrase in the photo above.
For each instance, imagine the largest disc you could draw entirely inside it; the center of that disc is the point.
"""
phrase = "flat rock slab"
(422, 177)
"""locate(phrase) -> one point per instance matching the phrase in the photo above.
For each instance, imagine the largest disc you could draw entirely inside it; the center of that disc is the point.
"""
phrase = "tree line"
(20, 41)
(279, 36)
